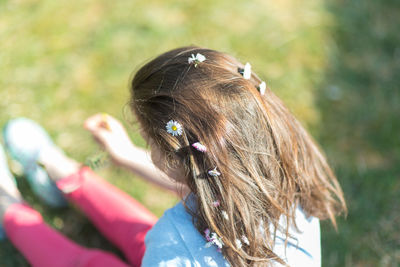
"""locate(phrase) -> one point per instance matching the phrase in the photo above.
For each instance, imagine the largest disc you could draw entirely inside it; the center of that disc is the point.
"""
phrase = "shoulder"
(304, 244)
(164, 245)
(174, 241)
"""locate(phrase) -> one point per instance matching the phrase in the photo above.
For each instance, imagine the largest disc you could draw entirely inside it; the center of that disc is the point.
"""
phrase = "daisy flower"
(216, 203)
(214, 172)
(196, 59)
(104, 121)
(225, 215)
(217, 240)
(245, 240)
(199, 147)
(262, 87)
(238, 243)
(174, 128)
(247, 71)
(207, 234)
(214, 239)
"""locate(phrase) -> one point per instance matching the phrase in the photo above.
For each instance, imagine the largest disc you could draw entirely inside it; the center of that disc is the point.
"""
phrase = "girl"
(253, 182)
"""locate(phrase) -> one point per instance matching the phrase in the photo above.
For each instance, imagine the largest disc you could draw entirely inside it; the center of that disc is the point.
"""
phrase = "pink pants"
(121, 219)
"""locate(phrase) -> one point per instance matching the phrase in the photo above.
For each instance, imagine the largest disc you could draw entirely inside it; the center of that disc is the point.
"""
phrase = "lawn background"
(336, 64)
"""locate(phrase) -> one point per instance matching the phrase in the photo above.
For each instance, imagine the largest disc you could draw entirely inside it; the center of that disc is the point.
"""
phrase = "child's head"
(268, 164)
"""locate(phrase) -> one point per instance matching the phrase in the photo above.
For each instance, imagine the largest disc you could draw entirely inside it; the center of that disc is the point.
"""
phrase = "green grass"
(335, 64)
(359, 103)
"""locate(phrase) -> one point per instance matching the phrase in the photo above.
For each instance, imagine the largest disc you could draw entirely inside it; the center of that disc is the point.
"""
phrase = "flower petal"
(225, 215)
(262, 87)
(247, 71)
(214, 172)
(245, 240)
(174, 128)
(238, 243)
(200, 57)
(191, 59)
(216, 203)
(198, 146)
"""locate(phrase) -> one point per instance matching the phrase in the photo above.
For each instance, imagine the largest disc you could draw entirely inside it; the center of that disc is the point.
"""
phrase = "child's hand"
(110, 133)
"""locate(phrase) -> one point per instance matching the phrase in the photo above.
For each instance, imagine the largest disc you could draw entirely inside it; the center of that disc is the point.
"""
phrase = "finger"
(101, 136)
(105, 121)
(112, 123)
(92, 123)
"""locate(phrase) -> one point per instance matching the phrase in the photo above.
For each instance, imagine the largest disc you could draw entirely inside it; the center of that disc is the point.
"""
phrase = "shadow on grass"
(360, 129)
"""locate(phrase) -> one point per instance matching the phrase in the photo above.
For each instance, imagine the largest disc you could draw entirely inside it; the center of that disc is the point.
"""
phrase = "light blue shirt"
(175, 242)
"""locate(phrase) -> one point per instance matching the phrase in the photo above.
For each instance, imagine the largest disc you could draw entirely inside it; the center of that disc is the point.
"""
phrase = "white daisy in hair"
(214, 172)
(262, 87)
(199, 147)
(247, 71)
(216, 203)
(245, 240)
(174, 128)
(214, 239)
(238, 243)
(196, 59)
(225, 215)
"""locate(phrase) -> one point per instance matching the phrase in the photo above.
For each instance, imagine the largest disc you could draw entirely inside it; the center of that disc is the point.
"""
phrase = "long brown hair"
(268, 163)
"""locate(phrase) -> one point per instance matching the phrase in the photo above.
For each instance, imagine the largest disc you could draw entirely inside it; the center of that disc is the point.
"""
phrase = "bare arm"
(110, 133)
(139, 161)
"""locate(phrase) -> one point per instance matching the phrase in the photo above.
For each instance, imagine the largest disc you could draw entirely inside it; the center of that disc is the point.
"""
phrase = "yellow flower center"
(174, 128)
